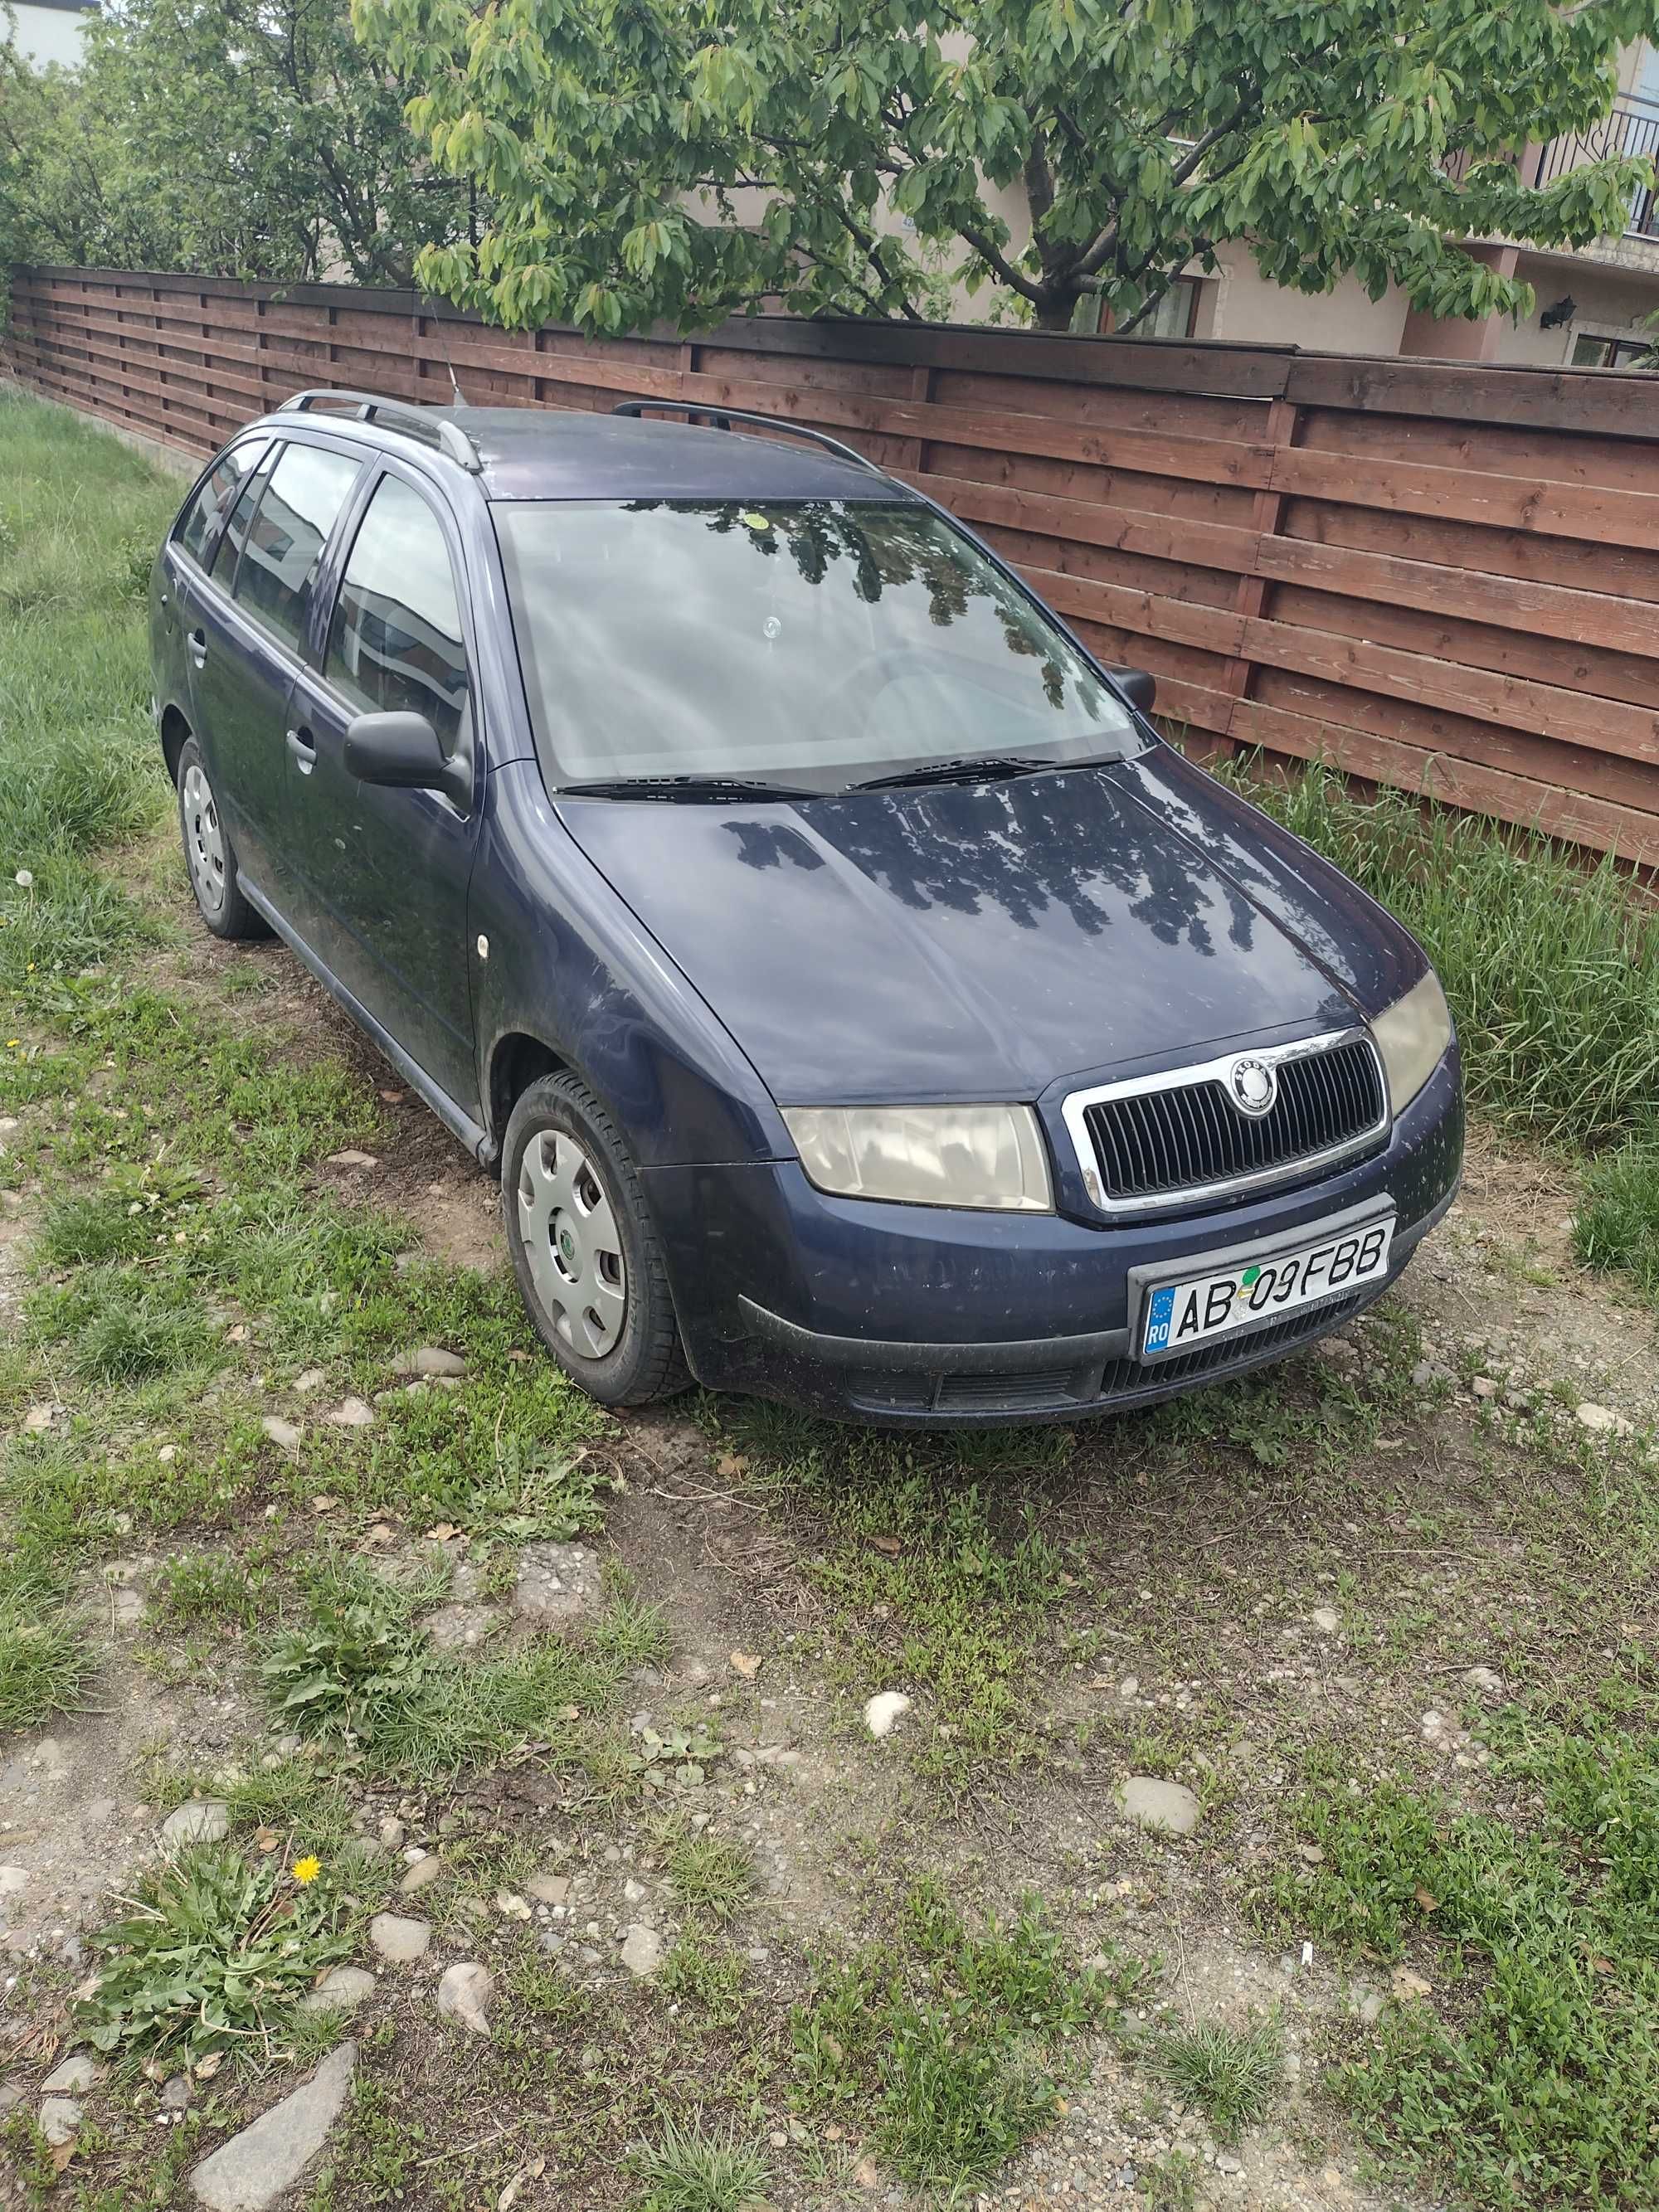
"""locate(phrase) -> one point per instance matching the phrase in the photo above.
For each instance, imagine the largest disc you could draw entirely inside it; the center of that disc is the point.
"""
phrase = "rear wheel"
(209, 856)
(585, 1248)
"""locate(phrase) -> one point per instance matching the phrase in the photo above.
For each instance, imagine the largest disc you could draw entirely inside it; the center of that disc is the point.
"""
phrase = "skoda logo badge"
(1252, 1085)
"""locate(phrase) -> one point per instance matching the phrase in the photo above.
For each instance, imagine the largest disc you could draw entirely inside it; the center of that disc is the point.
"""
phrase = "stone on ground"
(463, 1994)
(1154, 1803)
(72, 2077)
(549, 1888)
(428, 1360)
(1326, 1619)
(353, 1160)
(203, 1820)
(284, 1434)
(1603, 1420)
(256, 2168)
(399, 1941)
(350, 1413)
(341, 1989)
(60, 2120)
(421, 1875)
(883, 1711)
(642, 1950)
(556, 1582)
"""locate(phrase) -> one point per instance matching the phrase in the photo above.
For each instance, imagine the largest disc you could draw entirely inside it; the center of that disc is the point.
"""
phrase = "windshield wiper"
(714, 787)
(983, 767)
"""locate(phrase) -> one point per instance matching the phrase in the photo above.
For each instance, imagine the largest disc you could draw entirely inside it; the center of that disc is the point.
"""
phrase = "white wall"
(48, 35)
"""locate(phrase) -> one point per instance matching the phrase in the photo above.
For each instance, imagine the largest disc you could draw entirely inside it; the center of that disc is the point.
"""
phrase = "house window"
(1175, 315)
(1590, 351)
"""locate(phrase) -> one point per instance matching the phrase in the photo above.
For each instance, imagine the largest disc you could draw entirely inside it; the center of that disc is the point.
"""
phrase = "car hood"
(965, 941)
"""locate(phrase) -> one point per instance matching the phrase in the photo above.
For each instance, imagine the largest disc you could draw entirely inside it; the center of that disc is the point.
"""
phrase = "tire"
(585, 1249)
(209, 856)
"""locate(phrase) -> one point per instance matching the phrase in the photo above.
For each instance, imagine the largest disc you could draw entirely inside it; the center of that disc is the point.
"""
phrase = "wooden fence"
(1441, 577)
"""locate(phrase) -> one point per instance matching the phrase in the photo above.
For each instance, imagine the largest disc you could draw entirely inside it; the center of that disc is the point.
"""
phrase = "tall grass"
(81, 515)
(1553, 970)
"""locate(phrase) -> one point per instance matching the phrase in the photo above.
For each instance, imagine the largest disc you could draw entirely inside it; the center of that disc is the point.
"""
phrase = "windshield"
(824, 642)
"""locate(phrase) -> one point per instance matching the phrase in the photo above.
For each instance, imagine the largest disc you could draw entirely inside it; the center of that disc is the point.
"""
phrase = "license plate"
(1183, 1313)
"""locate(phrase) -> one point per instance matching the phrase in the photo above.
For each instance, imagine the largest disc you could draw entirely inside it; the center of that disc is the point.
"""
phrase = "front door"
(244, 636)
(384, 894)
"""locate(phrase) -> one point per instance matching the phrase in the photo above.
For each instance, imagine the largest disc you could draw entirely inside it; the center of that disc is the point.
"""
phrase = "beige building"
(1591, 304)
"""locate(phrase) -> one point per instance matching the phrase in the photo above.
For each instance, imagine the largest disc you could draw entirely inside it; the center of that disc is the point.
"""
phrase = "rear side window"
(198, 525)
(232, 538)
(306, 491)
(396, 644)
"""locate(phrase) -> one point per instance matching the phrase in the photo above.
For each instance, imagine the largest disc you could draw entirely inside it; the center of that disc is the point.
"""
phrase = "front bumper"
(922, 1315)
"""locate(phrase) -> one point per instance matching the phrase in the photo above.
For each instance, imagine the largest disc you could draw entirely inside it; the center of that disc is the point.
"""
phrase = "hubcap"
(571, 1240)
(205, 843)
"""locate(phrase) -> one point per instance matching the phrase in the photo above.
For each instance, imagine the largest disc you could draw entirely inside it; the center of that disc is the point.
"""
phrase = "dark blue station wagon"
(862, 1004)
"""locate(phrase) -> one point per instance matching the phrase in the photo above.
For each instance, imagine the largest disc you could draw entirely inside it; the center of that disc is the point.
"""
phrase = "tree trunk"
(1054, 312)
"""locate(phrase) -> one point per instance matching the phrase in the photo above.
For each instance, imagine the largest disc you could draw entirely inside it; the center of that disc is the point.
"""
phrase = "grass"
(709, 1875)
(696, 2168)
(43, 1659)
(1231, 2074)
(954, 2042)
(1551, 969)
(1524, 2071)
(1617, 1225)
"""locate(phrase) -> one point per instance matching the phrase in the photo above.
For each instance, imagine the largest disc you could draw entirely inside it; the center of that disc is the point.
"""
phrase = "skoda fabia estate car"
(862, 1004)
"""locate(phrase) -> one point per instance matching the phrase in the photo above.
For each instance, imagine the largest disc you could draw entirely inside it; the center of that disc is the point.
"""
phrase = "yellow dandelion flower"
(305, 1869)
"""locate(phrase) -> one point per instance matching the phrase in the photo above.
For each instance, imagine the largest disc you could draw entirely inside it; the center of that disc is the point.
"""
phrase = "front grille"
(1125, 1377)
(1150, 1143)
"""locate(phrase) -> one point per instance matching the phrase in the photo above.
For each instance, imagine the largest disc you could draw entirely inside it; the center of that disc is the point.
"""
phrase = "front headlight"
(1412, 1035)
(978, 1156)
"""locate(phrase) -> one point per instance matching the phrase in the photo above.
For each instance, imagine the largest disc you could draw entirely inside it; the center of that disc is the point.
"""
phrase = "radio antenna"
(443, 348)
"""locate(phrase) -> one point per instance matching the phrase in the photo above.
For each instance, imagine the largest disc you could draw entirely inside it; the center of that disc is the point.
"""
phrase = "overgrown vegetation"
(1553, 970)
(956, 2041)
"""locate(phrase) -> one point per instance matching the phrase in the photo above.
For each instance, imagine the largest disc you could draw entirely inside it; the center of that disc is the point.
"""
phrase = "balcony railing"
(1633, 128)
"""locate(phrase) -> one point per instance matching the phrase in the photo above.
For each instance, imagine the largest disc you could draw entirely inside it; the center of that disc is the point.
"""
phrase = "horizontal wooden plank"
(1561, 510)
(1608, 725)
(1437, 730)
(1086, 522)
(1594, 618)
(1616, 571)
(1539, 399)
(1633, 836)
(1500, 449)
(1598, 672)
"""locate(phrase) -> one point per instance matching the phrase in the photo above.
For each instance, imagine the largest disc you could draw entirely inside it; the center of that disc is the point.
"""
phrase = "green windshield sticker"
(755, 521)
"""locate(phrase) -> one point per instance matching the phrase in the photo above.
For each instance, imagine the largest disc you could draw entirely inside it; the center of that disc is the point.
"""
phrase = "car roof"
(549, 452)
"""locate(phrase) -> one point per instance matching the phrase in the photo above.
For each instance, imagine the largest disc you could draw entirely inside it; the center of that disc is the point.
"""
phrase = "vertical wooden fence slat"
(1436, 576)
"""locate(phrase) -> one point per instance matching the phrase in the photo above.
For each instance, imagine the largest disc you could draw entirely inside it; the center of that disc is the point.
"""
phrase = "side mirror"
(1138, 686)
(402, 751)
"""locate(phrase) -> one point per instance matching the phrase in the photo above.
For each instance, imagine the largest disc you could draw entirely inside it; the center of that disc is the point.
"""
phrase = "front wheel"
(209, 856)
(585, 1248)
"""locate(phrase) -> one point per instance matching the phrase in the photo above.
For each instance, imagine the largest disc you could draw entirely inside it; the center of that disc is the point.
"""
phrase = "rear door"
(247, 645)
(386, 871)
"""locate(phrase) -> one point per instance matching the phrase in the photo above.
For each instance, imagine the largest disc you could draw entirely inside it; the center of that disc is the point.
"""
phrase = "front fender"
(569, 964)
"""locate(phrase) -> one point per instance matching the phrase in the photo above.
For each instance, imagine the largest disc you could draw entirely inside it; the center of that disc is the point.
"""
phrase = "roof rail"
(726, 416)
(400, 414)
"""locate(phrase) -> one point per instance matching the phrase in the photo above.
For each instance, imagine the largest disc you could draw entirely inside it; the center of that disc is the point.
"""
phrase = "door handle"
(197, 643)
(304, 753)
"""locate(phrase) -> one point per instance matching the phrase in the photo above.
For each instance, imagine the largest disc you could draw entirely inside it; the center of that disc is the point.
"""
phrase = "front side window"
(198, 526)
(306, 491)
(395, 644)
(822, 642)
